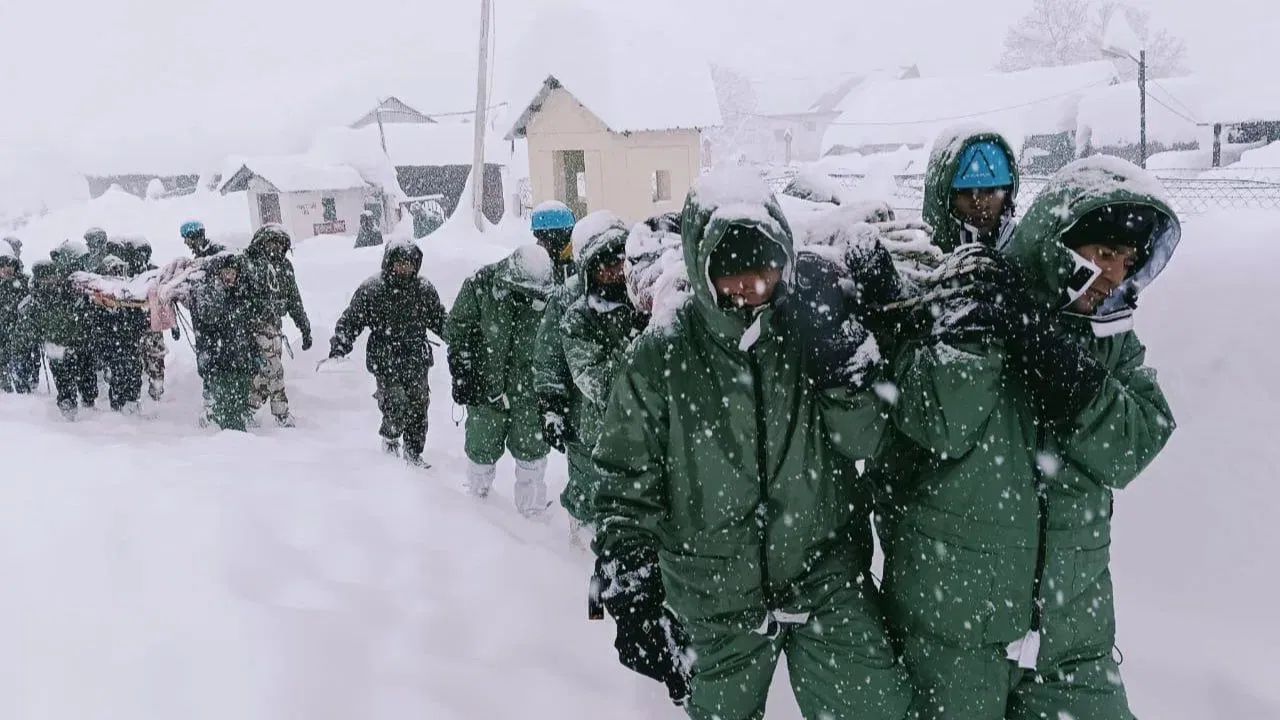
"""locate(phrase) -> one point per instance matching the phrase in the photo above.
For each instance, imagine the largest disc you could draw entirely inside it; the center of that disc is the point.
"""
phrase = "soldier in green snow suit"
(57, 319)
(970, 187)
(273, 278)
(997, 536)
(491, 332)
(595, 332)
(728, 490)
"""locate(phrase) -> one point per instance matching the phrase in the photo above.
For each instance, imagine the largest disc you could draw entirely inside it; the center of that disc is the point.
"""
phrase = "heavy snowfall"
(158, 562)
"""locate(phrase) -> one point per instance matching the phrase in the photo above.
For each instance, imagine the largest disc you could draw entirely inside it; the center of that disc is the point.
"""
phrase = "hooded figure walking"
(734, 528)
(491, 333)
(1030, 404)
(399, 308)
(273, 278)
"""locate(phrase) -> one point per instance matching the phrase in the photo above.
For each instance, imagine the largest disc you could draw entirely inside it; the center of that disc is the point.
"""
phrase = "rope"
(187, 332)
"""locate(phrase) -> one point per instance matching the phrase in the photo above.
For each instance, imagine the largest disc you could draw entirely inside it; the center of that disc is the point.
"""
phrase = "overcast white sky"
(175, 85)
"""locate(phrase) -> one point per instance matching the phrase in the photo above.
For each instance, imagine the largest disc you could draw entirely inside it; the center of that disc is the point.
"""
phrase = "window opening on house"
(330, 206)
(660, 184)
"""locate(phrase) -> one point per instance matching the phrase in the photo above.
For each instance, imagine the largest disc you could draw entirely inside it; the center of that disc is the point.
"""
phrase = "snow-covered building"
(393, 111)
(1035, 108)
(1193, 122)
(308, 196)
(783, 120)
(629, 140)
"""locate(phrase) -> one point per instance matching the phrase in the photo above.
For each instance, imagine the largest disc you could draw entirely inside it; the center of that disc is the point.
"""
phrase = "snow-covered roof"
(393, 111)
(819, 93)
(634, 97)
(293, 173)
(1108, 117)
(409, 144)
(911, 112)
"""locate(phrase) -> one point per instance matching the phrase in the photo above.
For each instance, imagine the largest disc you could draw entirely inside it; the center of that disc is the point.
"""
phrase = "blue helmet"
(983, 164)
(553, 215)
(191, 228)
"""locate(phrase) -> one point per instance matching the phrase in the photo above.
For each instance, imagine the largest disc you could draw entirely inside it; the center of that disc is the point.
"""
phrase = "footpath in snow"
(153, 569)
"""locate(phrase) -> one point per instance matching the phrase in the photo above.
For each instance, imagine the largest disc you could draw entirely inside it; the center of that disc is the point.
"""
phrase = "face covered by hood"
(46, 280)
(8, 258)
(271, 241)
(95, 239)
(69, 255)
(652, 250)
(396, 252)
(944, 163)
(739, 202)
(599, 239)
(139, 251)
(1058, 275)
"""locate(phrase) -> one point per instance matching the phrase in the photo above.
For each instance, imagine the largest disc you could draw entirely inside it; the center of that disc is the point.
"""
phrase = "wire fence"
(1189, 195)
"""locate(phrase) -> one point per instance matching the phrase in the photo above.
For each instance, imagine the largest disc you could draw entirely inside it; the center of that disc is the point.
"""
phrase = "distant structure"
(783, 120)
(630, 141)
(393, 111)
(307, 197)
(137, 183)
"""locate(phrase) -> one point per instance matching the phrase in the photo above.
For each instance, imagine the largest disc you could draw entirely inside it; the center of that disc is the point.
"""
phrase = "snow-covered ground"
(152, 569)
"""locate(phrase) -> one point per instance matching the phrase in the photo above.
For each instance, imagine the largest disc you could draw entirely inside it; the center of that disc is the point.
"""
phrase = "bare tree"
(1065, 32)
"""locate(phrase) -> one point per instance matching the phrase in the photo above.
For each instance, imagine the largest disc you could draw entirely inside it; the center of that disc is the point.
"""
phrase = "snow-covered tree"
(1064, 32)
(155, 189)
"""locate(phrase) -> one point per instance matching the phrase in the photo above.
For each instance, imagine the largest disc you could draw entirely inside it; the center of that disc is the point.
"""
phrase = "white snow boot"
(581, 534)
(480, 479)
(531, 487)
(416, 461)
(286, 421)
(155, 388)
(69, 412)
(391, 446)
(132, 407)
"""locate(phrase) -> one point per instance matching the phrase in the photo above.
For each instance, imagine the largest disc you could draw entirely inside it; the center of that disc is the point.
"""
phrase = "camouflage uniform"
(276, 285)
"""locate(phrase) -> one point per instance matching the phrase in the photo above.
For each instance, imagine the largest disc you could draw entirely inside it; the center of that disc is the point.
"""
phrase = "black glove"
(650, 639)
(306, 340)
(175, 333)
(1059, 371)
(554, 409)
(465, 392)
(874, 281)
(819, 311)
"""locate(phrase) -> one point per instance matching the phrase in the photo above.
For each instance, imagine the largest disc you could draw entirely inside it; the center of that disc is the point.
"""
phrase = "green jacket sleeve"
(631, 457)
(1126, 426)
(855, 422)
(293, 299)
(353, 321)
(591, 364)
(436, 315)
(462, 331)
(550, 371)
(946, 395)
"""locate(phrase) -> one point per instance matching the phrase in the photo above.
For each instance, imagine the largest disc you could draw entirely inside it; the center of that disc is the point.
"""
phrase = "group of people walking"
(741, 409)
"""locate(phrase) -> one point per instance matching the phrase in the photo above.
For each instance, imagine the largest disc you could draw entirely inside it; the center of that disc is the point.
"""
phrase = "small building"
(630, 140)
(138, 183)
(424, 161)
(306, 196)
(1035, 109)
(393, 111)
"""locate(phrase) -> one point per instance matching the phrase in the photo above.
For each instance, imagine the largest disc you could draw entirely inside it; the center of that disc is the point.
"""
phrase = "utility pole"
(481, 123)
(1142, 99)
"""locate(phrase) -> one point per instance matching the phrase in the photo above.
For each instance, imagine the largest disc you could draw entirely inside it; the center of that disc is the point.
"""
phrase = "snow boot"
(531, 487)
(415, 461)
(132, 407)
(286, 421)
(155, 389)
(251, 421)
(581, 534)
(391, 446)
(68, 410)
(480, 479)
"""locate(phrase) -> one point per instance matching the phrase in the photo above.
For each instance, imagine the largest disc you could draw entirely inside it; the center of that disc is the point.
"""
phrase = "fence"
(1189, 195)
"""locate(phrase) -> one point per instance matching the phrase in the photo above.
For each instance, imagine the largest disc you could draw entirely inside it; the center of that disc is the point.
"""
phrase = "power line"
(970, 116)
(1166, 106)
(494, 106)
(1174, 98)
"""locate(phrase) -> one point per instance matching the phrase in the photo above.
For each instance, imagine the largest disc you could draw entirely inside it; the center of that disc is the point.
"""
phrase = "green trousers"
(228, 394)
(517, 428)
(840, 661)
(579, 495)
(981, 684)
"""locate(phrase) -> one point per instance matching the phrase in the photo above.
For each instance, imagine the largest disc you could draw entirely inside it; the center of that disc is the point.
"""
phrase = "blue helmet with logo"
(983, 165)
(192, 228)
(553, 215)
